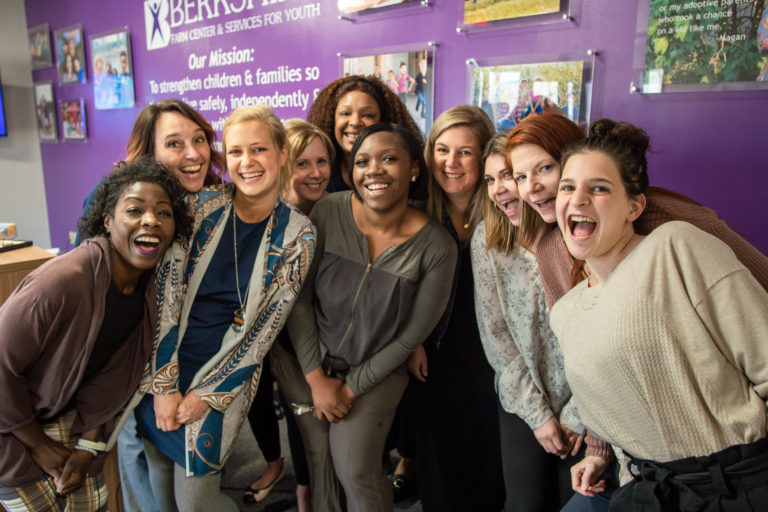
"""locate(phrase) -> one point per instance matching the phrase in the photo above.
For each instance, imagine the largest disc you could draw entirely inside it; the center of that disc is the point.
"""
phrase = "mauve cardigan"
(48, 327)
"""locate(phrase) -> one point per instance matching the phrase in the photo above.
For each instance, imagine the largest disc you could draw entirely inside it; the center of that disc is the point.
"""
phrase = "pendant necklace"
(239, 319)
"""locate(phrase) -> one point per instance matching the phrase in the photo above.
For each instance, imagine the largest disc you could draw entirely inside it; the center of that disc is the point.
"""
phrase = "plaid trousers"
(41, 495)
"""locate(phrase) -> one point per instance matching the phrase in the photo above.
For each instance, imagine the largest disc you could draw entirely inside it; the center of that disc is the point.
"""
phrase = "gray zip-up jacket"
(368, 315)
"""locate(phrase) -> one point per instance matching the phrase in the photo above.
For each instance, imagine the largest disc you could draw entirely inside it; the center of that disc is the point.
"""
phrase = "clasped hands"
(332, 397)
(172, 410)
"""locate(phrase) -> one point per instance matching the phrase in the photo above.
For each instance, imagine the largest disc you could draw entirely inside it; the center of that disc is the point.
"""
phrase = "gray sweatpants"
(175, 491)
(348, 452)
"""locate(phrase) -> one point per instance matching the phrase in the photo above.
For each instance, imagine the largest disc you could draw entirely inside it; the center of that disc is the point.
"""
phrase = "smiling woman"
(76, 326)
(450, 367)
(241, 271)
(346, 106)
(666, 322)
(352, 341)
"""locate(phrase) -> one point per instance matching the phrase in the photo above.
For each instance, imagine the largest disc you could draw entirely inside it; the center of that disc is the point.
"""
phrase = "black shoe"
(402, 488)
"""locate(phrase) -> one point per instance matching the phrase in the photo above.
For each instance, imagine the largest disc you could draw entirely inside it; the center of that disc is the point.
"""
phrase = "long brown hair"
(142, 139)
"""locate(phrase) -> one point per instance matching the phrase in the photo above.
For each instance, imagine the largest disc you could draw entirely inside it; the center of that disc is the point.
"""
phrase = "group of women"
(453, 260)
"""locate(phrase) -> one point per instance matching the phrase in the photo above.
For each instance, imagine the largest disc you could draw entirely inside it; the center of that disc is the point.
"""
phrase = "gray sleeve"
(429, 303)
(302, 328)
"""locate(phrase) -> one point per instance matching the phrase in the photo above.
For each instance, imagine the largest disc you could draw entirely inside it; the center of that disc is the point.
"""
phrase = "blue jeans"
(581, 503)
(134, 476)
(420, 101)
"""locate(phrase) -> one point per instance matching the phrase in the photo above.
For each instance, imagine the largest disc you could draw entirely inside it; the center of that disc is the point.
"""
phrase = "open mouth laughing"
(147, 244)
(581, 227)
(510, 207)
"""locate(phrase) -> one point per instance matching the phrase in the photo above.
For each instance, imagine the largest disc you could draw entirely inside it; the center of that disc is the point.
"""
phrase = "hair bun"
(625, 133)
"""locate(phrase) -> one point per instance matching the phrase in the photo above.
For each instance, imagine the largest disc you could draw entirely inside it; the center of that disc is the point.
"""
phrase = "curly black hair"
(322, 113)
(144, 169)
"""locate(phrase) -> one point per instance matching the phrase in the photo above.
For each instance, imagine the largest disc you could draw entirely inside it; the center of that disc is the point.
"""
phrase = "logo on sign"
(156, 23)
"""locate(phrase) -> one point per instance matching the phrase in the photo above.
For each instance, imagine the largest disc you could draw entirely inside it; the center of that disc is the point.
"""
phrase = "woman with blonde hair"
(224, 297)
(535, 403)
(310, 154)
(451, 374)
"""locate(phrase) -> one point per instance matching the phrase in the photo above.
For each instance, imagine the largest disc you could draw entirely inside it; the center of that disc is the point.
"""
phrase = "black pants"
(731, 480)
(535, 481)
(263, 421)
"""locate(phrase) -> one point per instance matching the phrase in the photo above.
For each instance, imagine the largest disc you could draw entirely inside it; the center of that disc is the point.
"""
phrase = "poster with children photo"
(73, 119)
(509, 94)
(70, 55)
(409, 75)
(39, 39)
(45, 112)
(112, 70)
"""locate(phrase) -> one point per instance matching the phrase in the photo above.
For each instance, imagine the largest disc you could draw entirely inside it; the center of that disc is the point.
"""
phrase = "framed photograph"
(483, 11)
(39, 39)
(72, 114)
(112, 70)
(701, 46)
(509, 93)
(45, 112)
(410, 75)
(70, 55)
(355, 6)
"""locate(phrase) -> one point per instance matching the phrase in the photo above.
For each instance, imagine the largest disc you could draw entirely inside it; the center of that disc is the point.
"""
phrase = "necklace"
(239, 319)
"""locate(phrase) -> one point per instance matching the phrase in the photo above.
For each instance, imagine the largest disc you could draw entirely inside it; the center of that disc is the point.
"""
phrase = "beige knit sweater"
(668, 357)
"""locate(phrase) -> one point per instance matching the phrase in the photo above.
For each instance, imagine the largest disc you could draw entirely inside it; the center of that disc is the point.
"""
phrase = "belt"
(671, 486)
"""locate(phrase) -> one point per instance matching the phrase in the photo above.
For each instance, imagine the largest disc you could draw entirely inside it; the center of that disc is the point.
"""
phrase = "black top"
(122, 313)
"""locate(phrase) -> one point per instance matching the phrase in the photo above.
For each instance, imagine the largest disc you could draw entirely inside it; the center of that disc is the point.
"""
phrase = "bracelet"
(96, 446)
(86, 449)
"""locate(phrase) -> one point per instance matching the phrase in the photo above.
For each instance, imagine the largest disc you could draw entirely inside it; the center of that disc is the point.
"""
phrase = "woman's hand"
(585, 474)
(74, 473)
(329, 402)
(574, 441)
(49, 455)
(165, 411)
(347, 394)
(191, 408)
(417, 363)
(550, 437)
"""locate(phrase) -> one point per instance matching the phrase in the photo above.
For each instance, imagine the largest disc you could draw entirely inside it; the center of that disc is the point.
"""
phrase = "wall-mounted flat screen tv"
(3, 125)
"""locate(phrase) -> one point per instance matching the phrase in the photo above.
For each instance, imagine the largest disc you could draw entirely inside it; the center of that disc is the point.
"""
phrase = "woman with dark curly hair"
(75, 337)
(346, 106)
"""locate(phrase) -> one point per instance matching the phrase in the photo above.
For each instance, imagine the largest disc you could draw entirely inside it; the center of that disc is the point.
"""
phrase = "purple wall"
(708, 146)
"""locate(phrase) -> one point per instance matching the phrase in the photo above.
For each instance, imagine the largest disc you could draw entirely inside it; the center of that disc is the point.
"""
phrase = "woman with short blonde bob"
(450, 370)
(535, 403)
(311, 154)
(225, 295)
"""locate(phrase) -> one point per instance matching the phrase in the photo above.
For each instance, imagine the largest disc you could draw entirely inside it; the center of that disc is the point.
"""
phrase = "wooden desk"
(16, 264)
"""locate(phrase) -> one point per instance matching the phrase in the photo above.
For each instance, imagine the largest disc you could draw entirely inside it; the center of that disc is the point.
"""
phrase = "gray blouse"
(369, 315)
(513, 319)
